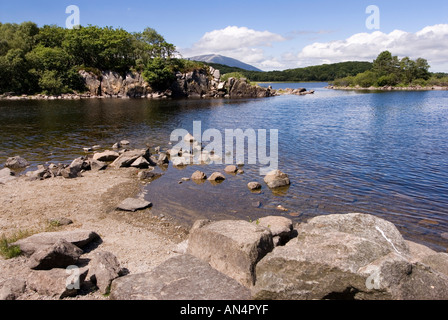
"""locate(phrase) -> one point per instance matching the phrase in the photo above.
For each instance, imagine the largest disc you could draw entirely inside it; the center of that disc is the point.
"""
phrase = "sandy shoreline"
(139, 240)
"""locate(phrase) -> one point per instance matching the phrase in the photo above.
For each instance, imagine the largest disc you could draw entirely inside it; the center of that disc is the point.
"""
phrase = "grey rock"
(140, 163)
(231, 247)
(16, 162)
(180, 278)
(280, 227)
(79, 238)
(103, 268)
(133, 204)
(11, 289)
(126, 159)
(276, 179)
(60, 255)
(106, 156)
(57, 283)
(353, 256)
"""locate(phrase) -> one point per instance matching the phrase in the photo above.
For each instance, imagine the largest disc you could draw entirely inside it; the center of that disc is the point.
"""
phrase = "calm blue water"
(379, 153)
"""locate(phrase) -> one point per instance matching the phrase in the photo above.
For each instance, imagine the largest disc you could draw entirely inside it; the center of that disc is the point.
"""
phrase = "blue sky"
(268, 34)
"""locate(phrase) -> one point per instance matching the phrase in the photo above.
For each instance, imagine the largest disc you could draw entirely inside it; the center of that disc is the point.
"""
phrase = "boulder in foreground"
(231, 247)
(180, 278)
(350, 256)
(79, 238)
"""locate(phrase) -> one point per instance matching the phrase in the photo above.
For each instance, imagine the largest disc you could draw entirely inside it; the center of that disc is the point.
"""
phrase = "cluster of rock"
(208, 84)
(194, 84)
(298, 91)
(352, 256)
(63, 264)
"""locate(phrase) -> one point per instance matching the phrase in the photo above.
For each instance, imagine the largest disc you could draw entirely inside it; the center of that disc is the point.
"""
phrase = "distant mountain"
(216, 58)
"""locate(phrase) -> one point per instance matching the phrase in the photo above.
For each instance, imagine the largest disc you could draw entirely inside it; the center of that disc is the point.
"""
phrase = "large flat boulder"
(231, 247)
(352, 256)
(79, 238)
(106, 156)
(180, 278)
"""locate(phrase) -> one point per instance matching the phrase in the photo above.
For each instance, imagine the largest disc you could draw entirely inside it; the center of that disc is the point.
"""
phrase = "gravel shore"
(139, 240)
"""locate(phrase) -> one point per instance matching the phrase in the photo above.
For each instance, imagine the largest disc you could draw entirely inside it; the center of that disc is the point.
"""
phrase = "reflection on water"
(379, 153)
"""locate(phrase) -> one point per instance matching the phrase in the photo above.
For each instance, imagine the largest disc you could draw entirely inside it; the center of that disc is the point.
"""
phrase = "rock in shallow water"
(132, 204)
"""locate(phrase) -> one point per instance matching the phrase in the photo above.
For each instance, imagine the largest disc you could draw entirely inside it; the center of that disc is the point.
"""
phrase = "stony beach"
(96, 219)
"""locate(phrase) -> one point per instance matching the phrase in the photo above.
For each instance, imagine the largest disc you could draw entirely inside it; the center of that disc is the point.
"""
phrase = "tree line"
(389, 70)
(48, 59)
(326, 72)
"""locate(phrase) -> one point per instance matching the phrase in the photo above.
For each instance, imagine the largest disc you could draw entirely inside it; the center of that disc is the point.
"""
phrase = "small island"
(389, 73)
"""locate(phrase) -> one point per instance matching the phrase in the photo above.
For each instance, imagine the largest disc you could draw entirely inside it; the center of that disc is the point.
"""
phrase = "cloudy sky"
(271, 35)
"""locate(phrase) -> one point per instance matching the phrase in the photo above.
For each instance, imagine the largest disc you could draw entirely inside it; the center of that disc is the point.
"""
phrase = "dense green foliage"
(388, 70)
(326, 72)
(48, 59)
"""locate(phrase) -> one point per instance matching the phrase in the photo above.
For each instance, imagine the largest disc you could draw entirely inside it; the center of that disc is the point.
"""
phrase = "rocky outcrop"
(112, 84)
(194, 84)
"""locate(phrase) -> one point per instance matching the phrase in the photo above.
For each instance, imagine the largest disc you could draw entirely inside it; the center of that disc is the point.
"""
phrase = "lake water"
(380, 153)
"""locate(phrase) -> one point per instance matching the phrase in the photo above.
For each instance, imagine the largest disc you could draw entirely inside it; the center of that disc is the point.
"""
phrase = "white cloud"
(430, 43)
(239, 43)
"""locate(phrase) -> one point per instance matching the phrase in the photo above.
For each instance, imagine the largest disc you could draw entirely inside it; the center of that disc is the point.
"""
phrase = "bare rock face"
(351, 256)
(60, 255)
(91, 81)
(180, 278)
(231, 247)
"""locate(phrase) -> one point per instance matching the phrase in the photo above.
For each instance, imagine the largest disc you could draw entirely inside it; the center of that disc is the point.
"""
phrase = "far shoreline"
(388, 88)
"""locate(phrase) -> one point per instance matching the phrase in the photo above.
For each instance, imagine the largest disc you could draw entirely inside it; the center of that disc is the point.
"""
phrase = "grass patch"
(9, 251)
